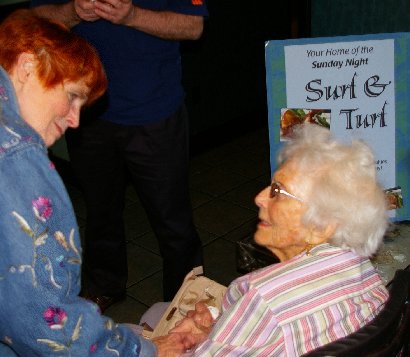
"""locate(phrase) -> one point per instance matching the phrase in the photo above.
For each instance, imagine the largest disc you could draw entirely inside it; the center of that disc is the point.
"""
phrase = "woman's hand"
(195, 327)
(170, 345)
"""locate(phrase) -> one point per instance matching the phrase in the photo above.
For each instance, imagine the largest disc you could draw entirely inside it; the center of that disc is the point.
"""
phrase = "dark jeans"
(156, 156)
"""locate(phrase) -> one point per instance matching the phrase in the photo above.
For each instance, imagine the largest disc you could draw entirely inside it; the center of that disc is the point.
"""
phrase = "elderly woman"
(323, 215)
(46, 75)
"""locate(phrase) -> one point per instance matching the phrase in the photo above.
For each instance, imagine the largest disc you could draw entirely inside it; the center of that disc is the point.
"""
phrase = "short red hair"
(62, 55)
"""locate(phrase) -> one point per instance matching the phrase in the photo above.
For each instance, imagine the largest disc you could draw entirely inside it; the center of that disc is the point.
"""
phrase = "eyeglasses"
(276, 189)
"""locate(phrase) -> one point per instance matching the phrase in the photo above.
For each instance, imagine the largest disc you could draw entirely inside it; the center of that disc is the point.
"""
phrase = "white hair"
(344, 190)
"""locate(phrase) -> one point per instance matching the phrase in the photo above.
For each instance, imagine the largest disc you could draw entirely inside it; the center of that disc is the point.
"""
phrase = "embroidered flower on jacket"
(136, 350)
(60, 259)
(93, 348)
(3, 93)
(60, 238)
(55, 318)
(42, 208)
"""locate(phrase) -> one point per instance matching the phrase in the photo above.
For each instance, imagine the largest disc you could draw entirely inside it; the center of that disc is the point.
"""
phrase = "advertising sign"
(356, 86)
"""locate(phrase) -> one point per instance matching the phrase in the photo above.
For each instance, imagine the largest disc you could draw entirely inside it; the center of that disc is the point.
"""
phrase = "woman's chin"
(261, 238)
(50, 141)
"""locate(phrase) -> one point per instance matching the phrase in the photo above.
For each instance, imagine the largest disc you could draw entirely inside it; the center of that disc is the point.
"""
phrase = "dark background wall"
(225, 74)
(357, 17)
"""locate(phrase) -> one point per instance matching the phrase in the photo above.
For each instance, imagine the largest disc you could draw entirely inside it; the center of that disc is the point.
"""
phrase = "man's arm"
(167, 25)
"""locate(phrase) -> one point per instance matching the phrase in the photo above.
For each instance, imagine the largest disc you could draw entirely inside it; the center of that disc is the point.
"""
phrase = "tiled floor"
(224, 180)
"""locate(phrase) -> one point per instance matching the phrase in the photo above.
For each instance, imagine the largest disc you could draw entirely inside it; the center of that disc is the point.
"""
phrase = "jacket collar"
(10, 116)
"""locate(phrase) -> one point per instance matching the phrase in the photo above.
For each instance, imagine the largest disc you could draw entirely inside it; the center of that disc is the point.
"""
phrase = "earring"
(309, 247)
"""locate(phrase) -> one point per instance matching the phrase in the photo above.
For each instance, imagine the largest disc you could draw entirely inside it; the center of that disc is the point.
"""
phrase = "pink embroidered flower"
(42, 208)
(93, 347)
(3, 93)
(52, 165)
(55, 317)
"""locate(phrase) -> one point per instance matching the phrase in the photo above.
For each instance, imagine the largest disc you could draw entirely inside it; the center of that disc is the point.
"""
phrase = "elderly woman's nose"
(262, 197)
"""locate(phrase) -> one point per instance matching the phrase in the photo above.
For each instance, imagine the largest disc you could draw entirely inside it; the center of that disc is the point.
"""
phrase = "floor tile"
(247, 229)
(220, 261)
(128, 311)
(255, 141)
(141, 263)
(220, 217)
(136, 222)
(216, 181)
(148, 241)
(198, 198)
(213, 156)
(246, 164)
(147, 291)
(245, 194)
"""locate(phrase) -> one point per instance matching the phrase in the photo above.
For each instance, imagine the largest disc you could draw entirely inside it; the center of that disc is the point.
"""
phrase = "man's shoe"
(104, 302)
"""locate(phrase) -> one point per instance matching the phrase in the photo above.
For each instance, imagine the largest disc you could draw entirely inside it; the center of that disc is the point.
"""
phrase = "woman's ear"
(25, 66)
(322, 235)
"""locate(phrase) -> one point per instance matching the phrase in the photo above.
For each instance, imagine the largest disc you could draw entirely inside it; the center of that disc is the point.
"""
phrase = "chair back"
(387, 335)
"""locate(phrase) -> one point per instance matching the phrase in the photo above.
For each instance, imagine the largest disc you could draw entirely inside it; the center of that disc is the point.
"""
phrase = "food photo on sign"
(291, 117)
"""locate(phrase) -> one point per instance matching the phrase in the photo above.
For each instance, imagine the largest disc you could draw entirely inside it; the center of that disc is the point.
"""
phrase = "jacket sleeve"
(40, 261)
(189, 7)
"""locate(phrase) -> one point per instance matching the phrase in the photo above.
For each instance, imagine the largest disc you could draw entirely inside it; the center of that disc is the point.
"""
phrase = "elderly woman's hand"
(85, 10)
(195, 327)
(169, 345)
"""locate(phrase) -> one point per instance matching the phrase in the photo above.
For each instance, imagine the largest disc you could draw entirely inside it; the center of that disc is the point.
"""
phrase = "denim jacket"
(40, 256)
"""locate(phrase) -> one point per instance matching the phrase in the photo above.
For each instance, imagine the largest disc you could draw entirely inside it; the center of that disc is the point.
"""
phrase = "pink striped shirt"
(290, 308)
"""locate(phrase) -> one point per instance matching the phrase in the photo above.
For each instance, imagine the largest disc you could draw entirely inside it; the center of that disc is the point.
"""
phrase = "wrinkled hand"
(85, 9)
(195, 327)
(169, 345)
(119, 12)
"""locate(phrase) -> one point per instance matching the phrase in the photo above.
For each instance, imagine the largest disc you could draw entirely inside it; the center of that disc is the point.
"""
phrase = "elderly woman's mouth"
(262, 223)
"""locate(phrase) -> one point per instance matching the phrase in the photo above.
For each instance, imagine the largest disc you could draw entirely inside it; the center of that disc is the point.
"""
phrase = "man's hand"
(85, 10)
(169, 345)
(120, 12)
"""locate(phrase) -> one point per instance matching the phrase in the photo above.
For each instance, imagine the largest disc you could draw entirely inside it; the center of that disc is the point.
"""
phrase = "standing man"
(140, 125)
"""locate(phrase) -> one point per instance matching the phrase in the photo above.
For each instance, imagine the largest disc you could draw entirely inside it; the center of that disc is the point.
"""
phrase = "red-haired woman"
(47, 74)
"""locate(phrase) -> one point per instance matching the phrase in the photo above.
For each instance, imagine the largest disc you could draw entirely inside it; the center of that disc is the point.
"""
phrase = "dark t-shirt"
(144, 72)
